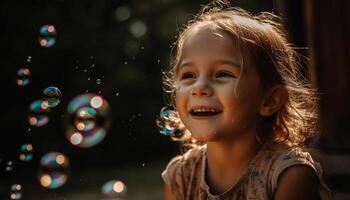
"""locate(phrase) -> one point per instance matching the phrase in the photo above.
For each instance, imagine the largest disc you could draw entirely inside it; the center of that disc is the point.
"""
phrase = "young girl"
(246, 110)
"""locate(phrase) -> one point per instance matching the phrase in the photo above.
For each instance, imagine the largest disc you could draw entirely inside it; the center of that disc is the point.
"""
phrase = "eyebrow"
(218, 62)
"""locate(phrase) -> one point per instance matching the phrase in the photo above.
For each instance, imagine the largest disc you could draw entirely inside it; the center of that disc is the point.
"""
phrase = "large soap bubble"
(89, 118)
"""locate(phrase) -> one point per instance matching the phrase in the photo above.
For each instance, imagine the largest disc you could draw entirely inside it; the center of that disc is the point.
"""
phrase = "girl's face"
(206, 78)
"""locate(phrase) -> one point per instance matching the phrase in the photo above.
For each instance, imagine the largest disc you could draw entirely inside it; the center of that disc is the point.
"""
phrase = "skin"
(208, 73)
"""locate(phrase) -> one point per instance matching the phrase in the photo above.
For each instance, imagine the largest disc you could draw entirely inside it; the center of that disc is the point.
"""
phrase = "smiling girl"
(247, 111)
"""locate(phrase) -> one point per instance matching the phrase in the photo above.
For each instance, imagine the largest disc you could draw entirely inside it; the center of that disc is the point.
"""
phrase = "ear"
(273, 100)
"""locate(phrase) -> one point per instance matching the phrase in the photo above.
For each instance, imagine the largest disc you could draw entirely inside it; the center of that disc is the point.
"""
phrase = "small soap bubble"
(38, 113)
(114, 189)
(16, 191)
(29, 58)
(88, 119)
(126, 62)
(169, 122)
(52, 96)
(54, 170)
(158, 61)
(26, 152)
(117, 94)
(89, 79)
(9, 166)
(23, 77)
(47, 36)
(98, 81)
(85, 70)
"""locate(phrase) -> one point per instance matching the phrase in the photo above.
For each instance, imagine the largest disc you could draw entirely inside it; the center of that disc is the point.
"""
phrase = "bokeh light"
(38, 113)
(47, 36)
(169, 122)
(138, 28)
(54, 170)
(114, 189)
(16, 191)
(122, 13)
(88, 119)
(52, 96)
(23, 77)
(26, 152)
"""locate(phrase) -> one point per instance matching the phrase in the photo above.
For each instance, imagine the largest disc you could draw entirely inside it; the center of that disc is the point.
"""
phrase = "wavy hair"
(261, 38)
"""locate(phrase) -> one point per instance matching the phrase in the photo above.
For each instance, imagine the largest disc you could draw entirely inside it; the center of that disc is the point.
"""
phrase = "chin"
(204, 137)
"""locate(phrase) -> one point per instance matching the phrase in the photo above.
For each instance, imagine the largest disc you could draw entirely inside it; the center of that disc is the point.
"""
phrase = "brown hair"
(262, 37)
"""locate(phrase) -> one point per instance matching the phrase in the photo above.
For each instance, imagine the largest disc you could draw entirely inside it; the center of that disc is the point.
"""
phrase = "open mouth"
(204, 112)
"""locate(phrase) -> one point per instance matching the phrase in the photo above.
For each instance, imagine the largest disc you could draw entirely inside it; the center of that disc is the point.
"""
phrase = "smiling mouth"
(204, 112)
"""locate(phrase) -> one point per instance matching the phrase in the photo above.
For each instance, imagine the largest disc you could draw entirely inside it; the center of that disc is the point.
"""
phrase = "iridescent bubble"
(52, 96)
(47, 36)
(54, 170)
(38, 113)
(114, 189)
(16, 191)
(89, 118)
(26, 152)
(23, 77)
(98, 81)
(169, 122)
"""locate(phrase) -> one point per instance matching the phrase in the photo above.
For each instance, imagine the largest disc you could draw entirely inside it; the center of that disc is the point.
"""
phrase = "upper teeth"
(204, 110)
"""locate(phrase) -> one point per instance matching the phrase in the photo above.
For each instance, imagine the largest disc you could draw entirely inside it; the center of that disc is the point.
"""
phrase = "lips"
(204, 111)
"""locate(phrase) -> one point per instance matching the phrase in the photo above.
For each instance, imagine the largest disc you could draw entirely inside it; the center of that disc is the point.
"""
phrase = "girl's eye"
(224, 74)
(188, 75)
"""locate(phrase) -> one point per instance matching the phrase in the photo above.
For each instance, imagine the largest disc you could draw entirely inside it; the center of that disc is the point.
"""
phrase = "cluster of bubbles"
(168, 122)
(88, 120)
(16, 191)
(54, 170)
(26, 152)
(47, 35)
(114, 189)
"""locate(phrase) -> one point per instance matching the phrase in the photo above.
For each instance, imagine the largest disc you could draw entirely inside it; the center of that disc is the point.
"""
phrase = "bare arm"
(298, 182)
(167, 193)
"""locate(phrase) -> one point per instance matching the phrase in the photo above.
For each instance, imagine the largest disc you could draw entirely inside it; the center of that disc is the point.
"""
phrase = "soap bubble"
(26, 152)
(89, 118)
(16, 191)
(169, 122)
(114, 189)
(54, 170)
(38, 113)
(47, 36)
(52, 96)
(23, 77)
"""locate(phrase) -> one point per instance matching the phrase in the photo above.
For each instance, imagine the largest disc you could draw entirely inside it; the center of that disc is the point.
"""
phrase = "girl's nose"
(202, 89)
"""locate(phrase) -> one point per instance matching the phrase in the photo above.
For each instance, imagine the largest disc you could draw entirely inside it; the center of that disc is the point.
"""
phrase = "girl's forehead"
(205, 38)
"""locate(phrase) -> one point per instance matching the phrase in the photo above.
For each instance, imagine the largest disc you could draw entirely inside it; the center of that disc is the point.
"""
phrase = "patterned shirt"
(185, 175)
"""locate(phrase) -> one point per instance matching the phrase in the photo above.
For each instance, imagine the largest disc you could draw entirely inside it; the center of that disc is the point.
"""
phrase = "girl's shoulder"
(183, 170)
(276, 160)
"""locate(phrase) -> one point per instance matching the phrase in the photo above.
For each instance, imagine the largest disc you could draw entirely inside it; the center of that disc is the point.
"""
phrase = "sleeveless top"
(185, 175)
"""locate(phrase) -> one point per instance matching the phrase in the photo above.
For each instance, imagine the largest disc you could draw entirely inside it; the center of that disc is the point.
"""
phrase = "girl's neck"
(228, 160)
